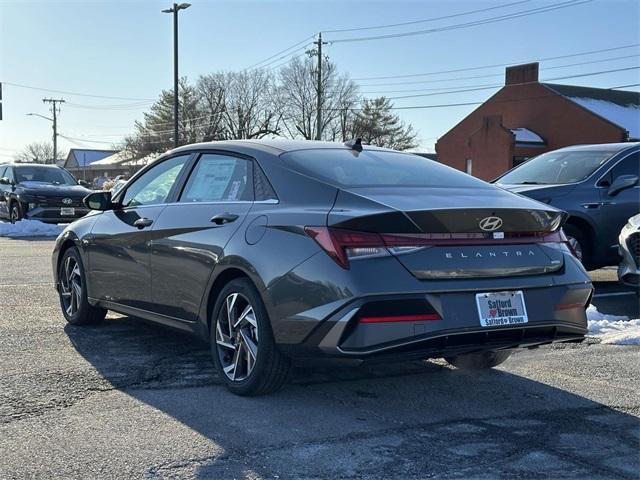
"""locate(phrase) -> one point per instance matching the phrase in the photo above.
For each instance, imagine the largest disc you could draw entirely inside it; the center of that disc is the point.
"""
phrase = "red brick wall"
(557, 120)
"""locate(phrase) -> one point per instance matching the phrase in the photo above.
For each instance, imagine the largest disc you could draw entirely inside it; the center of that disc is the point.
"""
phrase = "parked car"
(629, 240)
(46, 193)
(597, 185)
(276, 250)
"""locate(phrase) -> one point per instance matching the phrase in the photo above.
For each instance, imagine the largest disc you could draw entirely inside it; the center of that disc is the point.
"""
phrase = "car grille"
(633, 243)
(48, 201)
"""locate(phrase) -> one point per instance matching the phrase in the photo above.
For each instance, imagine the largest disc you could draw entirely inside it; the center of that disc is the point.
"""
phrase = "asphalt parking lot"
(130, 400)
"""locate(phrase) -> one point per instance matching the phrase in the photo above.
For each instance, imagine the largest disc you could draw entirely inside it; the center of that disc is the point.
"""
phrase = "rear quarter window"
(375, 168)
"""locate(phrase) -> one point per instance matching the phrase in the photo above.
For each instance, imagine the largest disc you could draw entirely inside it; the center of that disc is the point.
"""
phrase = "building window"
(469, 166)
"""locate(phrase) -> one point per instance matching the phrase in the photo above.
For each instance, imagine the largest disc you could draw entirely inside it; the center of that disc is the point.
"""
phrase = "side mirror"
(83, 183)
(5, 181)
(98, 201)
(622, 183)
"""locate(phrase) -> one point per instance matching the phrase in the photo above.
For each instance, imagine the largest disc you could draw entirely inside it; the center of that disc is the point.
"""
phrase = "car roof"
(619, 147)
(37, 165)
(276, 146)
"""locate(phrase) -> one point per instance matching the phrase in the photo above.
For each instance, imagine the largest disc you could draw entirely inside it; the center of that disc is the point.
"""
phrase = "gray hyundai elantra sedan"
(278, 251)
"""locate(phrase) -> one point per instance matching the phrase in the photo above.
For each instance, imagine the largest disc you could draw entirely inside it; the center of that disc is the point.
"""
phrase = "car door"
(190, 235)
(618, 208)
(119, 242)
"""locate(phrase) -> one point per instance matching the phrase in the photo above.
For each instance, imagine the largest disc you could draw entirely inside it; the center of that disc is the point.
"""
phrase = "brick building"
(526, 118)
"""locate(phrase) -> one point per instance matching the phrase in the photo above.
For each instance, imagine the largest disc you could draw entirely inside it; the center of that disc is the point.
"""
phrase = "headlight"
(634, 221)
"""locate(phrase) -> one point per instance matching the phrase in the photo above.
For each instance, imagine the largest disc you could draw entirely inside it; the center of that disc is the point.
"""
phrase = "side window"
(2, 169)
(219, 178)
(9, 174)
(629, 166)
(262, 187)
(153, 186)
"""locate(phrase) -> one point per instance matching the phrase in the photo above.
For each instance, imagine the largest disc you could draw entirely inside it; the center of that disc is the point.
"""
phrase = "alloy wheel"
(577, 248)
(15, 214)
(237, 337)
(70, 286)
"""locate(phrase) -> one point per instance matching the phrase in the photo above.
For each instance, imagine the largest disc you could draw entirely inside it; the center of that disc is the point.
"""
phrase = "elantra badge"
(489, 224)
(67, 201)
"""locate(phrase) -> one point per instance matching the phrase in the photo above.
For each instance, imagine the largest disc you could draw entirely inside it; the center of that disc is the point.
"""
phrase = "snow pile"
(30, 228)
(613, 329)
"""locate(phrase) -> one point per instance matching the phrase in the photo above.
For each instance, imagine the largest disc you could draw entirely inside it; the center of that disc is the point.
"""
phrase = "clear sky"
(124, 49)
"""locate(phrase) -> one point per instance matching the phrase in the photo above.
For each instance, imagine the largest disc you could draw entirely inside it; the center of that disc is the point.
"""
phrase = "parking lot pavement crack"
(478, 444)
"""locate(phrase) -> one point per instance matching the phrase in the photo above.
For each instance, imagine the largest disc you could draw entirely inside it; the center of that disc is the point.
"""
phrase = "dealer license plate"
(497, 309)
(67, 211)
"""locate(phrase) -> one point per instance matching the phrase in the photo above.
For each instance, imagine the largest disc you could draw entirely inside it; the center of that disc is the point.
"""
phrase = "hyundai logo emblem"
(67, 201)
(489, 224)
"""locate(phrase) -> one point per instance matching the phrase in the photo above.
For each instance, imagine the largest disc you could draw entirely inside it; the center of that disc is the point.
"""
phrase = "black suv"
(40, 192)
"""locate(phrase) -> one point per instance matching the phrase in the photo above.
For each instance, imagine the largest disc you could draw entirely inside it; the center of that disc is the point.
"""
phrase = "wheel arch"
(62, 245)
(222, 279)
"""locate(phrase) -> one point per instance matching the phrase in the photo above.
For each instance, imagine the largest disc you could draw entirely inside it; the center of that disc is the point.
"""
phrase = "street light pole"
(55, 124)
(174, 10)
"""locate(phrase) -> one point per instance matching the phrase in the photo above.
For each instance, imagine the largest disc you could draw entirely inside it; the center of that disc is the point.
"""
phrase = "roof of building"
(84, 157)
(619, 107)
(115, 159)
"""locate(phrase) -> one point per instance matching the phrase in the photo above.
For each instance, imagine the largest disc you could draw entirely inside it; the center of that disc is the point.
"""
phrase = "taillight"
(343, 245)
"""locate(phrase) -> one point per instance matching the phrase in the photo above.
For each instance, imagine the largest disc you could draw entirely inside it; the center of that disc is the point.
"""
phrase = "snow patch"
(613, 329)
(30, 228)
(627, 117)
(525, 135)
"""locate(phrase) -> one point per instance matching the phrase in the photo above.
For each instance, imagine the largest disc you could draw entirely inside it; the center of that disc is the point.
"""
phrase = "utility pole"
(174, 10)
(55, 109)
(318, 52)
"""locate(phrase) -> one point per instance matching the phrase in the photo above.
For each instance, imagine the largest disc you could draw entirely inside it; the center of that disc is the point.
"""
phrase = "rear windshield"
(371, 168)
(564, 166)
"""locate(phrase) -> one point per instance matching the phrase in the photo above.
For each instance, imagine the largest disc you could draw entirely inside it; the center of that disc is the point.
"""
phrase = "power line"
(482, 76)
(488, 87)
(125, 106)
(31, 87)
(482, 67)
(461, 14)
(306, 40)
(523, 13)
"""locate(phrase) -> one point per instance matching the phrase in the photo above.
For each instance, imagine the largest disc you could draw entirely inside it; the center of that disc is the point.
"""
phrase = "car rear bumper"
(52, 214)
(555, 306)
(554, 315)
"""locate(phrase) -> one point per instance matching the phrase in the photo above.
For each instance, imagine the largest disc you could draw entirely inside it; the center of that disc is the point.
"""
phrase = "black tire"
(479, 360)
(15, 212)
(82, 313)
(582, 242)
(270, 367)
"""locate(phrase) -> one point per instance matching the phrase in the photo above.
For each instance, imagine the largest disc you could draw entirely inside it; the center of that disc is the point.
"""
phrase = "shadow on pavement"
(417, 419)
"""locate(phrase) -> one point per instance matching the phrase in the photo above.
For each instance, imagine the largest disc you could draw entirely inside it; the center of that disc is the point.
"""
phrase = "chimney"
(521, 74)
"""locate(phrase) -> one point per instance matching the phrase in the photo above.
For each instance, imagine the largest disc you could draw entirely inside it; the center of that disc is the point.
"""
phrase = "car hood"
(39, 188)
(539, 191)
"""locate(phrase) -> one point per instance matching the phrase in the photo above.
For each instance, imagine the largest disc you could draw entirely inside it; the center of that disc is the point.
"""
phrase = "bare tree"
(297, 97)
(377, 125)
(249, 107)
(37, 152)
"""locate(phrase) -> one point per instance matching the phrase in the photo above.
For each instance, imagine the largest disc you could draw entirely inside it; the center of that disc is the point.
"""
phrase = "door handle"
(223, 218)
(142, 223)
